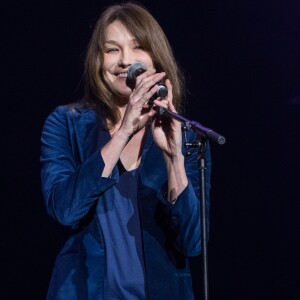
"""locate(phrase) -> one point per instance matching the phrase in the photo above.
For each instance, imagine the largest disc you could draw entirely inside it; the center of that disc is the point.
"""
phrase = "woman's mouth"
(122, 75)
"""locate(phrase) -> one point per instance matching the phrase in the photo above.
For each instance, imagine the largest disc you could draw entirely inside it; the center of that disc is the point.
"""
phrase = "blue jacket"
(72, 185)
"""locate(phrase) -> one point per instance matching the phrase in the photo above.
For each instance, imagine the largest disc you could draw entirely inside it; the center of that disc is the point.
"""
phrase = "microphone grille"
(135, 70)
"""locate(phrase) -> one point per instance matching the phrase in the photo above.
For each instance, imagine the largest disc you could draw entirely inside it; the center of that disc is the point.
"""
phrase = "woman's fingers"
(146, 87)
(144, 75)
(166, 102)
(170, 94)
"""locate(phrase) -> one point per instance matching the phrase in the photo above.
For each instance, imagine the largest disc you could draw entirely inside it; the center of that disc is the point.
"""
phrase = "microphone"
(137, 69)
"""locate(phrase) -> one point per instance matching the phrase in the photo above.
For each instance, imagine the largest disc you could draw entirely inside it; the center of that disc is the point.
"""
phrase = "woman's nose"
(126, 59)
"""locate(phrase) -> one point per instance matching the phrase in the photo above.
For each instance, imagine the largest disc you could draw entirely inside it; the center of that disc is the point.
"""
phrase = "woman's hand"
(167, 135)
(134, 117)
(137, 113)
(167, 131)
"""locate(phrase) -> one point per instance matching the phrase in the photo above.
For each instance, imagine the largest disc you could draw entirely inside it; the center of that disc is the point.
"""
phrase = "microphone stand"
(204, 134)
(200, 129)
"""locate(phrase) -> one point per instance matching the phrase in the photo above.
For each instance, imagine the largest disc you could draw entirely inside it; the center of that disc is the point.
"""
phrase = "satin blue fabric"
(73, 187)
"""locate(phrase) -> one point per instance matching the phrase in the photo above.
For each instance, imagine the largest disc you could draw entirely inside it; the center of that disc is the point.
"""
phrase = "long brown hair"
(150, 36)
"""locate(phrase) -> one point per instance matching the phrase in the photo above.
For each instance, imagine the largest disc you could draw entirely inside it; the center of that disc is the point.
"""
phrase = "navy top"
(120, 224)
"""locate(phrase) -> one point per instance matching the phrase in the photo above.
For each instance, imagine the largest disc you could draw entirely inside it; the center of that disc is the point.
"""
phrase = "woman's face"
(120, 51)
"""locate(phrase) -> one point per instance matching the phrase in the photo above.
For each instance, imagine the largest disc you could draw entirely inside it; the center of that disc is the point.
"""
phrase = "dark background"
(242, 63)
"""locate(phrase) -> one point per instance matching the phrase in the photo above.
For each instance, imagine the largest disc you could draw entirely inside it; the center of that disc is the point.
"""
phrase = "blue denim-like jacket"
(72, 185)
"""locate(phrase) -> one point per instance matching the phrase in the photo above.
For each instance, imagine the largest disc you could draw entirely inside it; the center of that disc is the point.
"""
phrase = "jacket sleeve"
(183, 217)
(70, 189)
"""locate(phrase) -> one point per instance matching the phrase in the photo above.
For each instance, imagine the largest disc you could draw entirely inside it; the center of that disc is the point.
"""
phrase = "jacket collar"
(92, 135)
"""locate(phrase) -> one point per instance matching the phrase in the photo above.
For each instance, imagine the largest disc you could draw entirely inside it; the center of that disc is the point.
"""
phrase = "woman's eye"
(109, 50)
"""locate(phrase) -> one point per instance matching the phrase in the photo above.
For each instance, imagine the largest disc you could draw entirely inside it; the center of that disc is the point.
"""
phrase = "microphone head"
(135, 70)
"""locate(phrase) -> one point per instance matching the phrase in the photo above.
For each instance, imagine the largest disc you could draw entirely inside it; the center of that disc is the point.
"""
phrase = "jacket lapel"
(90, 133)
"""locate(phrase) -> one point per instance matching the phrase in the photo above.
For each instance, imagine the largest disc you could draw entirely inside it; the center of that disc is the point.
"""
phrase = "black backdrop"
(242, 63)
